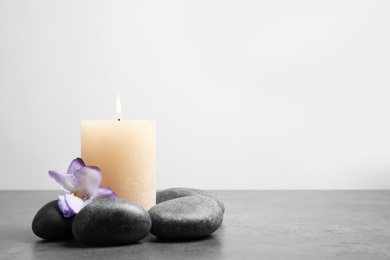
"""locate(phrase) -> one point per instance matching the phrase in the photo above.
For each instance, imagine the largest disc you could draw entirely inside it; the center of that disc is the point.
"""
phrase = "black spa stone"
(186, 217)
(50, 224)
(111, 222)
(174, 193)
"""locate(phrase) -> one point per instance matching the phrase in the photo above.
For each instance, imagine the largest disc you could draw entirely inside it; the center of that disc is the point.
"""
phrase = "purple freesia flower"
(82, 186)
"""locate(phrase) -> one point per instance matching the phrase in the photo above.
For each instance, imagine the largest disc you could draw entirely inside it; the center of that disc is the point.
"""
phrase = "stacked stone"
(180, 213)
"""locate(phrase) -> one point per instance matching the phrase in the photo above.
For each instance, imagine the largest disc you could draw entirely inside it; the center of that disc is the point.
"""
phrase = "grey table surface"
(257, 225)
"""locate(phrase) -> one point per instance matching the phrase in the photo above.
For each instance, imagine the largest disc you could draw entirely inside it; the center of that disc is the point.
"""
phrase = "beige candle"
(125, 151)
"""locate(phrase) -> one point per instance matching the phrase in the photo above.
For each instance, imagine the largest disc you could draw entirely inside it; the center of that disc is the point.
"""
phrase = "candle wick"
(119, 119)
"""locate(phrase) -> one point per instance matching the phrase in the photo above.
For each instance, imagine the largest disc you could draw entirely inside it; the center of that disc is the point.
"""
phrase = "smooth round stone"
(111, 222)
(50, 224)
(174, 193)
(186, 217)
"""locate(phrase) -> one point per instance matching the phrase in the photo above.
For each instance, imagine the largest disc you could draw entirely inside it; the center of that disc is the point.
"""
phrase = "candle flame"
(118, 107)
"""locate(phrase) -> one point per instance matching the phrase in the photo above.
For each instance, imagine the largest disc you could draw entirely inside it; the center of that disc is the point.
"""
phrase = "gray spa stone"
(111, 222)
(50, 224)
(174, 193)
(186, 217)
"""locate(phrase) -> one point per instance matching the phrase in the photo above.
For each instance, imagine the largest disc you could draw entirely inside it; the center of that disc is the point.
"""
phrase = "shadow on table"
(180, 240)
(151, 247)
(210, 247)
(72, 243)
(75, 244)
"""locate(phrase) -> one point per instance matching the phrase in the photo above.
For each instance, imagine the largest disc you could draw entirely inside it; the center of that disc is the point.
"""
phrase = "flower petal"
(88, 179)
(75, 204)
(105, 193)
(75, 165)
(64, 207)
(66, 181)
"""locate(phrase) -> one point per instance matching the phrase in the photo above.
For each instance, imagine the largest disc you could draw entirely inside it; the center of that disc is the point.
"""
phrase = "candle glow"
(118, 107)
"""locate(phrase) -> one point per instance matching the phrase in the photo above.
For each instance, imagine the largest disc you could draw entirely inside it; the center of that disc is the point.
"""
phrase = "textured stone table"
(257, 225)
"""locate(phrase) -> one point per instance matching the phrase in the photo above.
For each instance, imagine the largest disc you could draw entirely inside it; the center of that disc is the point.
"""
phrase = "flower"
(82, 186)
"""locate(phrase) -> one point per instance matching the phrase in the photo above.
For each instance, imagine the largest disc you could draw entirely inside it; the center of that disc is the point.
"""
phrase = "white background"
(246, 94)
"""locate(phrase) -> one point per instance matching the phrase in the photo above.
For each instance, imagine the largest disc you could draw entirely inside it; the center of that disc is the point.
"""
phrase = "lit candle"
(125, 151)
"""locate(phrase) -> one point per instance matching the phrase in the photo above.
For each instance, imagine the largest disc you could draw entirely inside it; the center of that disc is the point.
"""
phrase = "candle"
(125, 151)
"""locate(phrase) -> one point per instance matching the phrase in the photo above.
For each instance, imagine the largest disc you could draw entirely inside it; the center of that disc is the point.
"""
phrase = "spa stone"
(174, 193)
(111, 222)
(50, 224)
(186, 217)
